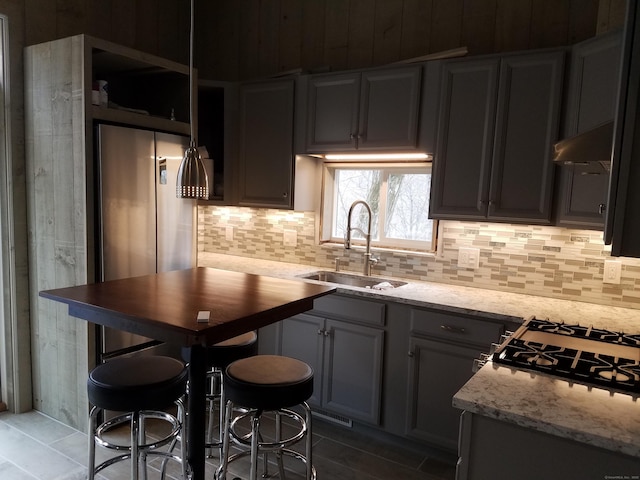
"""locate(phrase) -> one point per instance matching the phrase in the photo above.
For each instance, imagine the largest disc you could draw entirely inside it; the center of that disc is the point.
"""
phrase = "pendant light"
(192, 181)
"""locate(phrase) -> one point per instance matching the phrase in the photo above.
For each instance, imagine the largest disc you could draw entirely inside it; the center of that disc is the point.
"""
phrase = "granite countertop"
(535, 401)
(487, 304)
(553, 405)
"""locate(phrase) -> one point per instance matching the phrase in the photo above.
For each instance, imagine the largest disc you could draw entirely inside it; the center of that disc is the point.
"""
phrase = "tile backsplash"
(537, 260)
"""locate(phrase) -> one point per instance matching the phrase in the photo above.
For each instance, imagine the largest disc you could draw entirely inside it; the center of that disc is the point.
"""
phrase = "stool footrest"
(245, 440)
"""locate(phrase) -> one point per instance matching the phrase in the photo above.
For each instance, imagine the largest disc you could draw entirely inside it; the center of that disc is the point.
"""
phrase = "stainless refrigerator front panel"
(144, 227)
(175, 216)
(127, 200)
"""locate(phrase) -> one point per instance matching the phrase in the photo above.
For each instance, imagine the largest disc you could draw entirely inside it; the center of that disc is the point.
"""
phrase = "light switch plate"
(468, 257)
(612, 271)
(228, 233)
(290, 238)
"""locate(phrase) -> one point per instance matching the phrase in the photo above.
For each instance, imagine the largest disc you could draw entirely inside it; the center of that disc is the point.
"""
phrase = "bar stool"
(267, 383)
(218, 357)
(142, 387)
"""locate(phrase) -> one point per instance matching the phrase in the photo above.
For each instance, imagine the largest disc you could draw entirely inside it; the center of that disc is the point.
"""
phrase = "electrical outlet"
(290, 238)
(228, 233)
(612, 271)
(468, 257)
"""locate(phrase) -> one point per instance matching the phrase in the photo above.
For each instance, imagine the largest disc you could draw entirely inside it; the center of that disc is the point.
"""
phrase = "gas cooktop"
(582, 354)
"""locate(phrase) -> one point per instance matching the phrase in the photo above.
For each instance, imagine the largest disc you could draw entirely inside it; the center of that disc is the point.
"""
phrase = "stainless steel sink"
(361, 281)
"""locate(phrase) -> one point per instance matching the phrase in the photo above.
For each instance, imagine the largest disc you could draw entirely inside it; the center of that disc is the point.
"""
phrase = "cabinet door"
(389, 108)
(591, 102)
(462, 161)
(527, 124)
(302, 337)
(353, 370)
(437, 370)
(266, 144)
(332, 112)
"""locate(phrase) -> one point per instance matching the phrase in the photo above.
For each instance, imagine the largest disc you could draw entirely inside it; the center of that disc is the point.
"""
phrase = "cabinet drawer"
(351, 309)
(455, 328)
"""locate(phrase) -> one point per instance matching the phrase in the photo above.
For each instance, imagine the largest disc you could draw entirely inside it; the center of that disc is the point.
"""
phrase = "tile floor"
(34, 446)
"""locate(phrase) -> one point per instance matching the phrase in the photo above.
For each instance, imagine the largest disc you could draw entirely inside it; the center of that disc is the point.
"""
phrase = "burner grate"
(589, 332)
(558, 358)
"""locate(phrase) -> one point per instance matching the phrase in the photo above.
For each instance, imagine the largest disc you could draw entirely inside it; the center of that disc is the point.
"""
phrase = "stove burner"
(614, 375)
(537, 354)
(591, 333)
(581, 361)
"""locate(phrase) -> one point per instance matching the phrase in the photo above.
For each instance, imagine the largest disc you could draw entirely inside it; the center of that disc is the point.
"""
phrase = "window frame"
(327, 204)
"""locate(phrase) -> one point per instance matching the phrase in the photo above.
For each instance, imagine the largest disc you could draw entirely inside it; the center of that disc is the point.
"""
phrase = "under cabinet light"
(378, 156)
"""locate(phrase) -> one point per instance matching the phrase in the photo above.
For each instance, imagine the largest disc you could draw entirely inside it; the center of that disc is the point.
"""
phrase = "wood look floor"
(34, 446)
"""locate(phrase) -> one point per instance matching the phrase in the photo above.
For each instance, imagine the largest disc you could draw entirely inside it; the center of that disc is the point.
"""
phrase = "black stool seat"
(137, 383)
(268, 382)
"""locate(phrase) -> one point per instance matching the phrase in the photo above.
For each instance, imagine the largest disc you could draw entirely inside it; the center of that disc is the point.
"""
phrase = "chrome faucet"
(369, 260)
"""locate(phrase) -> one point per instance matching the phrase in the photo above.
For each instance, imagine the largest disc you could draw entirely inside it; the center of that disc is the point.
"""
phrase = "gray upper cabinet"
(465, 137)
(498, 119)
(591, 99)
(370, 110)
(266, 144)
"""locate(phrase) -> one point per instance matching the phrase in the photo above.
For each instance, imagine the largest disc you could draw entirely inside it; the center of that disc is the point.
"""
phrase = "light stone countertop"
(533, 401)
(487, 304)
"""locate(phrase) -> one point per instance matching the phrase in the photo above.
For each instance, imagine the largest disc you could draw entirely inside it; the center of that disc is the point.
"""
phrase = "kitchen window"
(398, 195)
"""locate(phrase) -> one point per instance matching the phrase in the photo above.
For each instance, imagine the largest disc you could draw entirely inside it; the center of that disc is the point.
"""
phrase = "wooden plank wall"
(243, 39)
(56, 166)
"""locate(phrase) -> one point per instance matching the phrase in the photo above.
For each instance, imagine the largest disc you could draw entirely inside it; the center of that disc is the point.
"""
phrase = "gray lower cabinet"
(591, 101)
(347, 363)
(437, 370)
(442, 349)
(343, 340)
(498, 119)
(491, 448)
(266, 144)
(376, 109)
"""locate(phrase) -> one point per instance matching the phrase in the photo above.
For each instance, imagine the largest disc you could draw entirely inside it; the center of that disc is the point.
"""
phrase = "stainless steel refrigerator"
(143, 227)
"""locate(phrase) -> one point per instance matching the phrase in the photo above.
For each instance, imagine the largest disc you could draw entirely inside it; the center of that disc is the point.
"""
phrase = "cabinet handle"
(602, 208)
(320, 331)
(452, 329)
(327, 333)
(410, 353)
(352, 136)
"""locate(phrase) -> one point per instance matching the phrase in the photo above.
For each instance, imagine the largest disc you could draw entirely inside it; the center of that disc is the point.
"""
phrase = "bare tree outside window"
(399, 201)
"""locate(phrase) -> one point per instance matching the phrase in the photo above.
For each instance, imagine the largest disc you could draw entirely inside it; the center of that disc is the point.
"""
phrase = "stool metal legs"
(216, 391)
(257, 445)
(138, 449)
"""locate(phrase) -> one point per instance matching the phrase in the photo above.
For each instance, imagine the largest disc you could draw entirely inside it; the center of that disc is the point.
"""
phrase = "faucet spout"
(368, 258)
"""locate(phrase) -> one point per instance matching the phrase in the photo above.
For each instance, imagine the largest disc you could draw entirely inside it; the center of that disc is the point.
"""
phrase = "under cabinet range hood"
(591, 149)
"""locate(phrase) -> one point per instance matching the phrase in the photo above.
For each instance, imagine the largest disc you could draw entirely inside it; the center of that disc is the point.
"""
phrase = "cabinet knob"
(319, 331)
(410, 354)
(602, 208)
(352, 136)
(327, 333)
(285, 195)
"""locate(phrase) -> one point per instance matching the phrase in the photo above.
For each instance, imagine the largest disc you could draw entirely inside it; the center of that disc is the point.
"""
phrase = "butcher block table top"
(165, 306)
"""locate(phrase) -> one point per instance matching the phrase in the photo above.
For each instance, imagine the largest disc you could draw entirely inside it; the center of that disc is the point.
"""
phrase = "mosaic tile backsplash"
(537, 260)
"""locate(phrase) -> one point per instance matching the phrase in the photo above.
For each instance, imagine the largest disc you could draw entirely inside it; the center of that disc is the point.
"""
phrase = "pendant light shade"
(192, 181)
